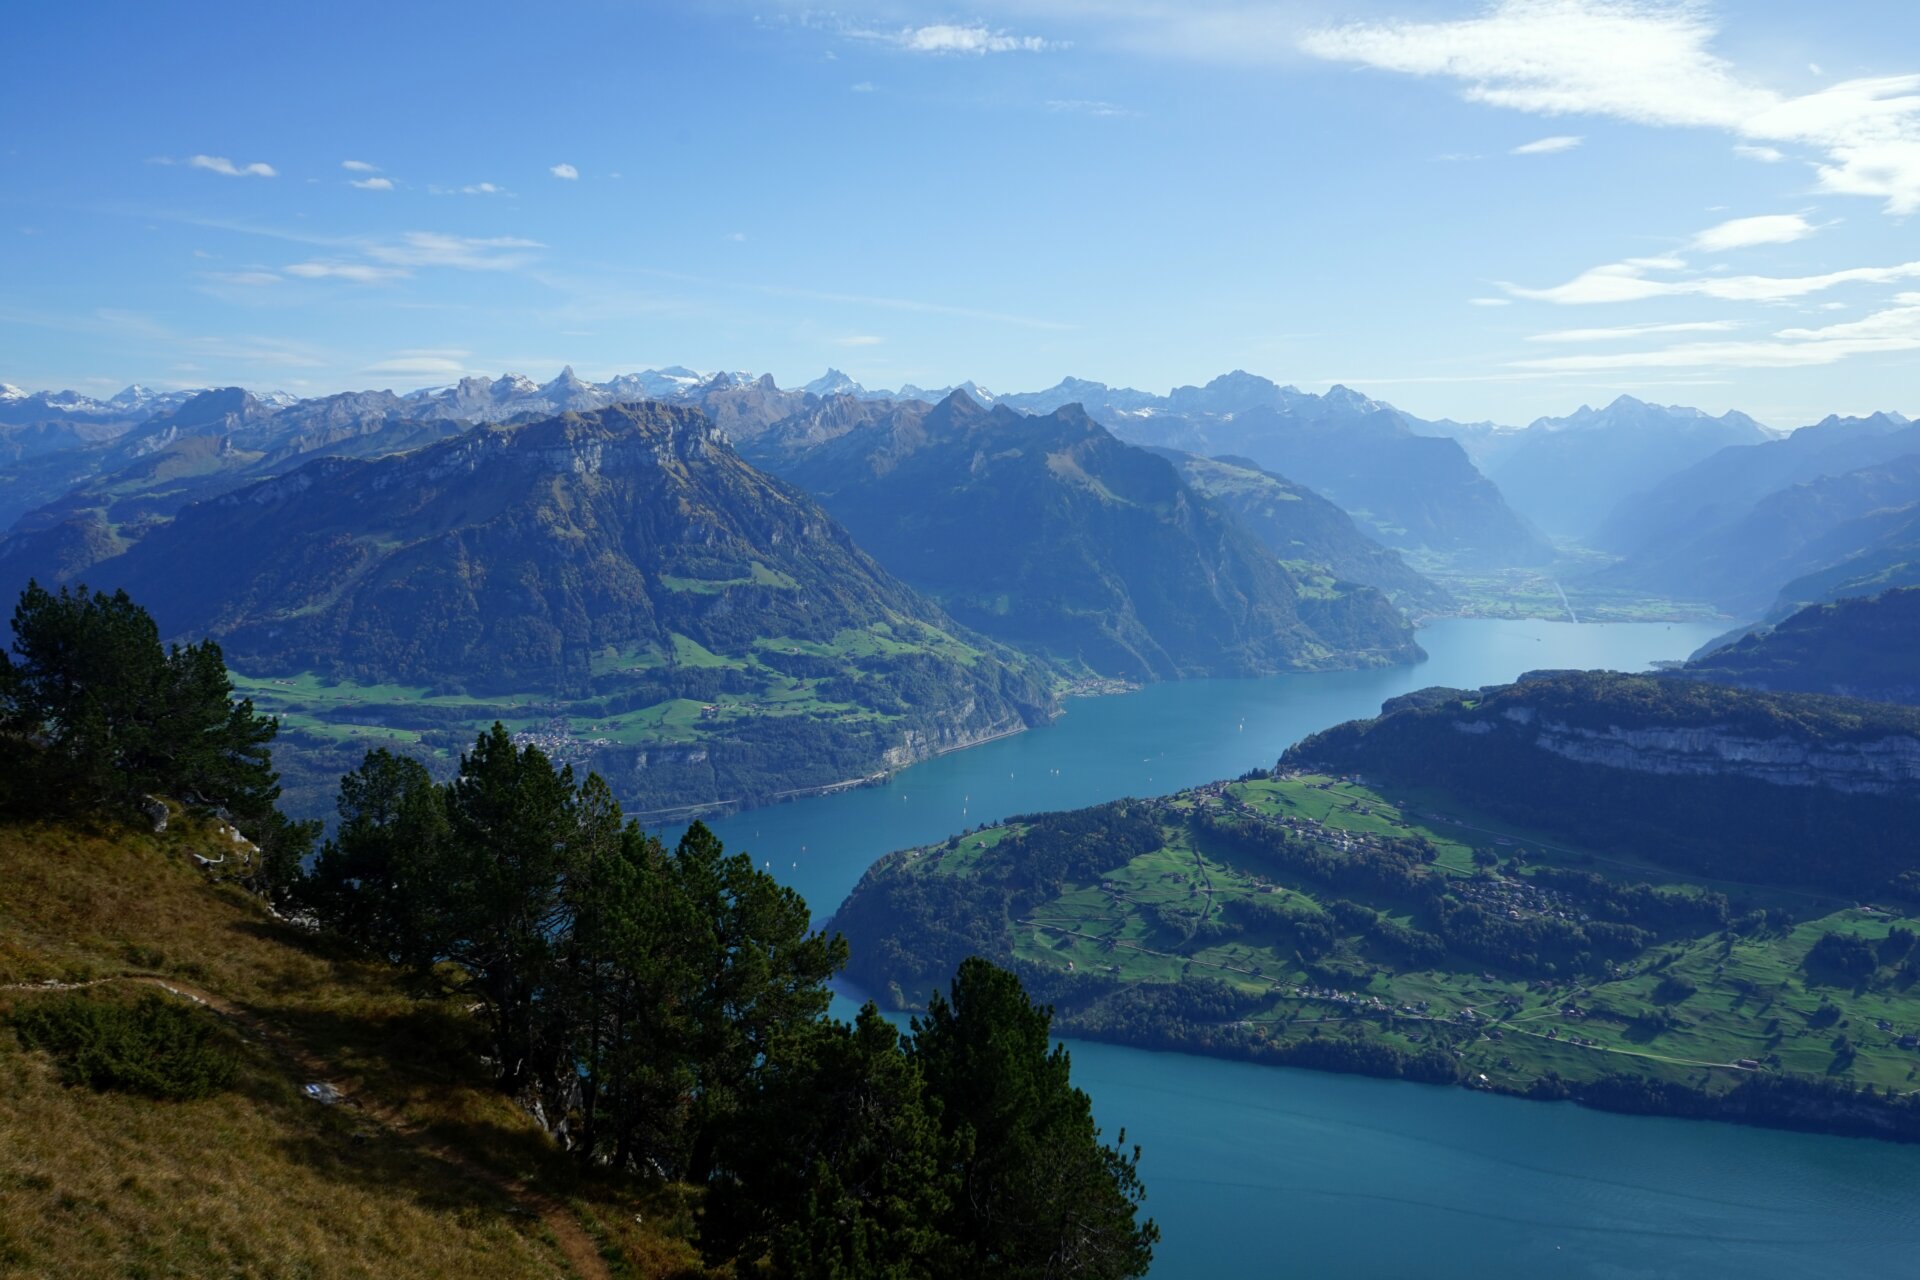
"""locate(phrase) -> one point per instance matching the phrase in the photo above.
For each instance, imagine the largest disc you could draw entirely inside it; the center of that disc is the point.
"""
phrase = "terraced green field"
(1721, 983)
(841, 688)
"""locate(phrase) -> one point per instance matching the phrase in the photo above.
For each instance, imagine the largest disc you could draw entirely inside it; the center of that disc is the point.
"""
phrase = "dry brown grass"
(259, 1181)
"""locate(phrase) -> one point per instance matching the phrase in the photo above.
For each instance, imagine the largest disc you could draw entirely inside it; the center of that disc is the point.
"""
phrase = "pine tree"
(104, 714)
(760, 971)
(836, 1172)
(377, 883)
(1038, 1193)
(502, 884)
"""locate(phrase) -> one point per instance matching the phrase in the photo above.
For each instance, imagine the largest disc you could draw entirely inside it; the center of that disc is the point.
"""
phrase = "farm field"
(1203, 941)
(635, 701)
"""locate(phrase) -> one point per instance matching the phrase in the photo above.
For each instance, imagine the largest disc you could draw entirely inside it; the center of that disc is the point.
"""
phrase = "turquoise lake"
(1261, 1171)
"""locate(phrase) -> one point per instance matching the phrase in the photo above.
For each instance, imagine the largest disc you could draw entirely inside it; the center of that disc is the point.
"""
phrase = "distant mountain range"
(1742, 561)
(1406, 487)
(1724, 486)
(1410, 489)
(1048, 532)
(1568, 474)
(1653, 484)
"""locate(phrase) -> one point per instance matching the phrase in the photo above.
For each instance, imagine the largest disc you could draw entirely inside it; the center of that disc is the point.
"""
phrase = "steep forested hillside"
(1298, 524)
(1861, 647)
(1050, 533)
(623, 570)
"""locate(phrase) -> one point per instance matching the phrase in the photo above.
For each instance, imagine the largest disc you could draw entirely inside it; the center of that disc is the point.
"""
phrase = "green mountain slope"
(621, 580)
(1049, 533)
(1642, 893)
(425, 1171)
(1298, 524)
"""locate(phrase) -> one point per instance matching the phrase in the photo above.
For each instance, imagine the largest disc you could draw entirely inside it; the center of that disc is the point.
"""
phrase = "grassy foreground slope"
(423, 1170)
(1307, 919)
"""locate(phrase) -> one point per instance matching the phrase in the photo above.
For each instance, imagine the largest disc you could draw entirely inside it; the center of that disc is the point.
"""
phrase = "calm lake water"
(1262, 1171)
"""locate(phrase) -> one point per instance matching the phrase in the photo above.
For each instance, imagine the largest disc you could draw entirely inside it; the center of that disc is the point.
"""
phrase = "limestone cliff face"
(1728, 782)
(1876, 766)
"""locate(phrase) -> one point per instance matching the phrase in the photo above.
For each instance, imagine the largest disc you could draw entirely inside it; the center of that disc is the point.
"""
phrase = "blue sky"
(1473, 210)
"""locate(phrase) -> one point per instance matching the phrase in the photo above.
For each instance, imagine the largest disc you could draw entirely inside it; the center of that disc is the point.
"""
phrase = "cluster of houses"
(559, 743)
(1517, 898)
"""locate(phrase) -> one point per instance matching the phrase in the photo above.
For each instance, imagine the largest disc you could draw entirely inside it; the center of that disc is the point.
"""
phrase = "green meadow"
(1704, 1007)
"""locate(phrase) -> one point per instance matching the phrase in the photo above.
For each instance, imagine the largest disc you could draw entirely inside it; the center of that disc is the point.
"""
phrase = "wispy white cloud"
(467, 253)
(1089, 107)
(433, 362)
(359, 166)
(951, 38)
(1765, 155)
(865, 86)
(372, 184)
(1548, 146)
(470, 189)
(252, 279)
(1617, 332)
(1892, 329)
(357, 272)
(859, 340)
(1491, 302)
(565, 172)
(1744, 233)
(1633, 281)
(1651, 62)
(227, 168)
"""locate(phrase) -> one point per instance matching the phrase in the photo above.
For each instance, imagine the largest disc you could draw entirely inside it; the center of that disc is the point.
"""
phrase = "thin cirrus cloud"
(252, 279)
(356, 272)
(359, 166)
(432, 362)
(1651, 62)
(465, 253)
(372, 184)
(1548, 146)
(859, 340)
(470, 189)
(972, 39)
(1890, 330)
(565, 172)
(1624, 331)
(227, 168)
(1089, 107)
(1638, 279)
